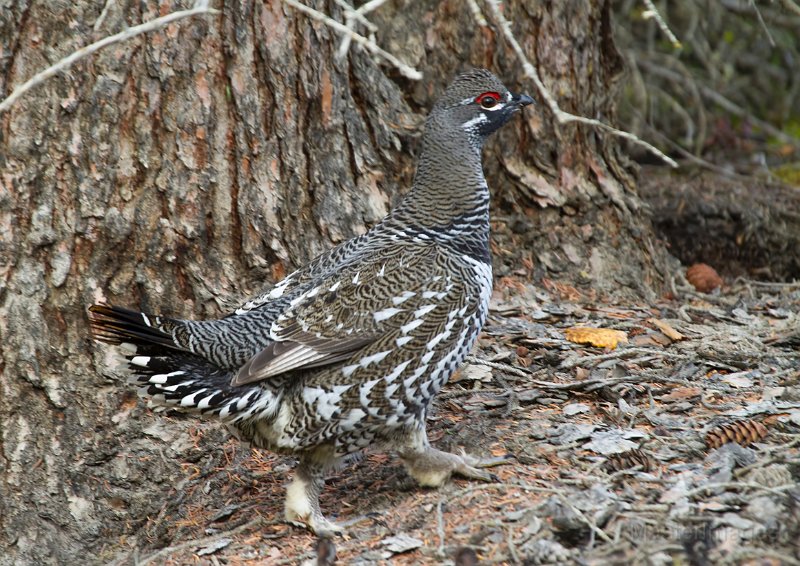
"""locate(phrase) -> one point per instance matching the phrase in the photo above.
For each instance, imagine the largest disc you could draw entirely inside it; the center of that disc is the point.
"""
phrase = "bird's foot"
(316, 523)
(432, 467)
(302, 505)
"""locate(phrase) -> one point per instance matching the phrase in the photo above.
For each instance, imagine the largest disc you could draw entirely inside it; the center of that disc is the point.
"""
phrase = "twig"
(652, 12)
(103, 14)
(199, 542)
(365, 42)
(561, 116)
(740, 485)
(720, 100)
(791, 6)
(66, 62)
(692, 157)
(761, 554)
(497, 365)
(295, 559)
(620, 353)
(440, 528)
(769, 284)
(477, 15)
(568, 364)
(591, 523)
(351, 15)
(502, 486)
(763, 24)
(356, 15)
(512, 548)
(370, 6)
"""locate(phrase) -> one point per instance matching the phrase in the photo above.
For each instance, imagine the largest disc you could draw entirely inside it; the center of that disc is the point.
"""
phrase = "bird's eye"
(488, 99)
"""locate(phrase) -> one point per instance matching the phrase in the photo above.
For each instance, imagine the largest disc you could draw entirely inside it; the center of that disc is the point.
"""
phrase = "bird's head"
(477, 103)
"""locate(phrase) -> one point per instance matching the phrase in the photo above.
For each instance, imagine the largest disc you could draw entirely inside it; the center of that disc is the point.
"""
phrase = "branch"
(164, 552)
(356, 15)
(476, 13)
(66, 62)
(368, 44)
(652, 12)
(103, 15)
(351, 16)
(561, 116)
(368, 7)
(791, 6)
(763, 23)
(720, 100)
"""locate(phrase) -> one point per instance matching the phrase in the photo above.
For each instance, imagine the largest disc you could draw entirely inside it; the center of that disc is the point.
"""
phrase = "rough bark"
(182, 170)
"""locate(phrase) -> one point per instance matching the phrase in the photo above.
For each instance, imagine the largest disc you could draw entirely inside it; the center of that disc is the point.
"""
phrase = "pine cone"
(547, 551)
(743, 433)
(703, 277)
(629, 459)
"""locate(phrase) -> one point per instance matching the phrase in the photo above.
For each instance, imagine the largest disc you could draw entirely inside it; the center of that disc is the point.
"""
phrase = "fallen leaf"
(681, 393)
(651, 339)
(664, 327)
(598, 337)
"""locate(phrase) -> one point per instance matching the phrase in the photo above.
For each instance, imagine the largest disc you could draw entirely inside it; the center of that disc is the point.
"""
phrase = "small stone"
(575, 408)
(401, 543)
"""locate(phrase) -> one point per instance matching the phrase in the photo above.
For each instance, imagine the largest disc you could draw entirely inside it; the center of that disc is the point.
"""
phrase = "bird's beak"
(521, 99)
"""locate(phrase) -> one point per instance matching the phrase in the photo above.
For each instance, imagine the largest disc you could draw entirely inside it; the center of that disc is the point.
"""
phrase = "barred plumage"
(348, 351)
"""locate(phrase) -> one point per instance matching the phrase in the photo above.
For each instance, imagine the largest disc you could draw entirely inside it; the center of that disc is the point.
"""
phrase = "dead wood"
(739, 226)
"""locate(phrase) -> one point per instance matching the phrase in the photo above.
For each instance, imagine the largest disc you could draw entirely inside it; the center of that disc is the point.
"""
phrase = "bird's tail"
(171, 375)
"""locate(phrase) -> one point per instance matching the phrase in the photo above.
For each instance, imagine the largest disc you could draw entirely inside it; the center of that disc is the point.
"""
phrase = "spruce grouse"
(348, 351)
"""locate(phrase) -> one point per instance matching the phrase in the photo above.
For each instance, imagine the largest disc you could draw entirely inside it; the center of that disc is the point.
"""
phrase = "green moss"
(789, 173)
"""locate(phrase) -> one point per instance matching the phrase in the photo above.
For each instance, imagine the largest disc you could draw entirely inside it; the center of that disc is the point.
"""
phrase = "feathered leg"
(302, 495)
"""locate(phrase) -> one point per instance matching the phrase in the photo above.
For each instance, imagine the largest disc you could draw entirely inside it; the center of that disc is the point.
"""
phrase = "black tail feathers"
(171, 375)
(117, 325)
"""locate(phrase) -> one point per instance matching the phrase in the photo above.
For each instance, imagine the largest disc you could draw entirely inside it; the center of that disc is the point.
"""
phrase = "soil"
(648, 453)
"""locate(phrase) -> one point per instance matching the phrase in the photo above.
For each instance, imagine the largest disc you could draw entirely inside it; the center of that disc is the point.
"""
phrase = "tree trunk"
(183, 170)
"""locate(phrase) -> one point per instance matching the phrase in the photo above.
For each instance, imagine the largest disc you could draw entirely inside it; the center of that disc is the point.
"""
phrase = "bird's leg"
(432, 467)
(302, 499)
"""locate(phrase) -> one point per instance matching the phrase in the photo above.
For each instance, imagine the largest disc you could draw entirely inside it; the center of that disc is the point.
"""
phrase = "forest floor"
(679, 446)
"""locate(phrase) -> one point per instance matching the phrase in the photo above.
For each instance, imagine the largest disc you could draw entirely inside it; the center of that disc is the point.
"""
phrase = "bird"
(347, 353)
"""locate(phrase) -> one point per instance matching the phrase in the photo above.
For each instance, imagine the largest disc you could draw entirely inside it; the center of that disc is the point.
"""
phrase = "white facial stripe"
(479, 119)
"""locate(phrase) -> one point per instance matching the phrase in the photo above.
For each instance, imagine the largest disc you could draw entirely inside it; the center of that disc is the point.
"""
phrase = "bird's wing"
(295, 281)
(392, 292)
